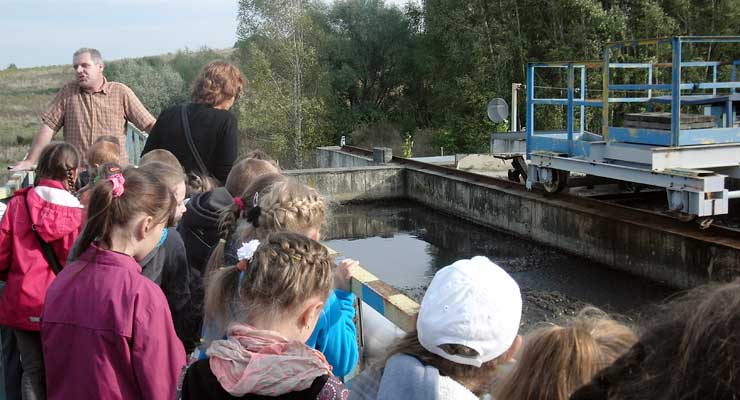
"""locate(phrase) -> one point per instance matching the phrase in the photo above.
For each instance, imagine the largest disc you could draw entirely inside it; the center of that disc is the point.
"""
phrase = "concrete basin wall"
(333, 157)
(355, 184)
(674, 257)
(677, 255)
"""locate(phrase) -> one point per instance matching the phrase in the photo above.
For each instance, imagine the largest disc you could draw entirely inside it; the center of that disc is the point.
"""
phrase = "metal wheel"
(558, 182)
(514, 175)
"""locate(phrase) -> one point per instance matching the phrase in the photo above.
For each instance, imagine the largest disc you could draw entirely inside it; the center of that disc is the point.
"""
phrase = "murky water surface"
(405, 244)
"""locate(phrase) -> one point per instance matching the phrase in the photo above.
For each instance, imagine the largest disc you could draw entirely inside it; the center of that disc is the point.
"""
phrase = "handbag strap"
(46, 248)
(189, 138)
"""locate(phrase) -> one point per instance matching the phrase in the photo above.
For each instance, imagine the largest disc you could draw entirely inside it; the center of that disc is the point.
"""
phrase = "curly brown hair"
(217, 81)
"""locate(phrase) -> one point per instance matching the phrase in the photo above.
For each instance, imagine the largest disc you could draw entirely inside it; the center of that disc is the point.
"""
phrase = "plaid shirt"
(87, 116)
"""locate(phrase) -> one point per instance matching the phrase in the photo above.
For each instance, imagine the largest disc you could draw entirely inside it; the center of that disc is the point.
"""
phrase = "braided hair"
(272, 204)
(59, 161)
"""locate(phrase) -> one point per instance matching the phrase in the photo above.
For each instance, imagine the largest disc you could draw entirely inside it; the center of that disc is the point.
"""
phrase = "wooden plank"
(667, 127)
(665, 117)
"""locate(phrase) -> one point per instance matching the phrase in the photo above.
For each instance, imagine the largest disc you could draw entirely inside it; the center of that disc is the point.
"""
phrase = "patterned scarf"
(264, 362)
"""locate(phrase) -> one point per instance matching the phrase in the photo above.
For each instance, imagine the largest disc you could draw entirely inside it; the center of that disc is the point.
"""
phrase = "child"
(36, 234)
(163, 156)
(281, 298)
(467, 326)
(557, 360)
(286, 206)
(167, 265)
(102, 172)
(199, 227)
(106, 329)
(105, 150)
(689, 351)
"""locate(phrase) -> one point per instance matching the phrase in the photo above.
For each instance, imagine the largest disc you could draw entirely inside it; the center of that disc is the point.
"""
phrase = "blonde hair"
(286, 270)
(162, 156)
(244, 172)
(103, 152)
(556, 360)
(217, 81)
(166, 173)
(284, 206)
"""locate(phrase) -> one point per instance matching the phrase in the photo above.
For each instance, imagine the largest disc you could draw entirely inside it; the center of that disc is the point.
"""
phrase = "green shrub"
(157, 87)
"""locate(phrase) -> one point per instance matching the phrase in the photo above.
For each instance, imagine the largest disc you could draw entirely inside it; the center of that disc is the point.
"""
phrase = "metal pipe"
(514, 106)
(734, 194)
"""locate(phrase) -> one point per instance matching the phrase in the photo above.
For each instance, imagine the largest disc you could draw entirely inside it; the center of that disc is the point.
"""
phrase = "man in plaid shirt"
(87, 108)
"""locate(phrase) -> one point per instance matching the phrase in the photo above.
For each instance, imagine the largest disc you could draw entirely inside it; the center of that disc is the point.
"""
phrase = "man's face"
(89, 75)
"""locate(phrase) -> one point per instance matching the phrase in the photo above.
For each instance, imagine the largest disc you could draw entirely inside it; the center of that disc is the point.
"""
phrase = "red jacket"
(58, 218)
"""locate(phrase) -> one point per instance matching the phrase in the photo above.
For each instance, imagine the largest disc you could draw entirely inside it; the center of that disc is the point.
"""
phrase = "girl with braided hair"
(36, 234)
(277, 204)
(281, 298)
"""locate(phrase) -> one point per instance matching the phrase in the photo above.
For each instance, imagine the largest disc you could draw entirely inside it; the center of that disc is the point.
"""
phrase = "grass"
(24, 93)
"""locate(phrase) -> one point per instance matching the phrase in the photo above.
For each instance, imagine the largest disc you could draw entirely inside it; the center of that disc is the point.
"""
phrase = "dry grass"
(24, 93)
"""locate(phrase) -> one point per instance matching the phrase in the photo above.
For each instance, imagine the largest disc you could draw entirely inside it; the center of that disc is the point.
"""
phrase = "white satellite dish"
(497, 110)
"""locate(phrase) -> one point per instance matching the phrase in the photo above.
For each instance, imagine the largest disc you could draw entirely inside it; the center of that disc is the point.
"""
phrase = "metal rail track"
(714, 233)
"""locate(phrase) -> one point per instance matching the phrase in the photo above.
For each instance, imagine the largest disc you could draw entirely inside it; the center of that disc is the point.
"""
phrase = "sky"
(47, 32)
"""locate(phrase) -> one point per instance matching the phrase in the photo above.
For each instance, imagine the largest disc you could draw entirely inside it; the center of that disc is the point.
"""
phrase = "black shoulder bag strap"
(189, 137)
(49, 254)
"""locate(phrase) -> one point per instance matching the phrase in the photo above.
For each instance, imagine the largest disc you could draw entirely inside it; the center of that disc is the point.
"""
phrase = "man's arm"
(40, 140)
(136, 112)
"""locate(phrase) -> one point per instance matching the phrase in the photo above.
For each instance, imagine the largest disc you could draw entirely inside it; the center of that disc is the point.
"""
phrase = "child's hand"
(343, 274)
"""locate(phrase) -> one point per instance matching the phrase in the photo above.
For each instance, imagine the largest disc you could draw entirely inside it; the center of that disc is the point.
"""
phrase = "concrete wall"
(622, 239)
(355, 184)
(675, 257)
(333, 157)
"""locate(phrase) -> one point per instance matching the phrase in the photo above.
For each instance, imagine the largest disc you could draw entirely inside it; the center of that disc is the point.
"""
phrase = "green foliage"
(158, 87)
(188, 63)
(11, 67)
(408, 146)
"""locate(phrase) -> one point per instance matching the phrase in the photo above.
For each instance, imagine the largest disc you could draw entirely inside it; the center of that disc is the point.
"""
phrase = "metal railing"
(135, 140)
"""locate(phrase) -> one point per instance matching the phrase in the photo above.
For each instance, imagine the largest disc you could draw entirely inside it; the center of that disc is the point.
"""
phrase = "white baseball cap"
(473, 303)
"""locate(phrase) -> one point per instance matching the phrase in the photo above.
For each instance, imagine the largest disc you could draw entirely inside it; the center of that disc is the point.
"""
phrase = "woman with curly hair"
(213, 129)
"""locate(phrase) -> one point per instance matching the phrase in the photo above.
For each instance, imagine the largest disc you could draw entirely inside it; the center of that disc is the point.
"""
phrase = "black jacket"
(214, 133)
(200, 383)
(199, 225)
(167, 266)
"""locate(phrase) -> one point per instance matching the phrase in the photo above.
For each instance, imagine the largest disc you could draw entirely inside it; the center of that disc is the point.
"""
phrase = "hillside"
(25, 92)
(23, 95)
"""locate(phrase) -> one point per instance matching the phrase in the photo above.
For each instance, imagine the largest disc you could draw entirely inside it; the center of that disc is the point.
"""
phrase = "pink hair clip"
(239, 203)
(117, 181)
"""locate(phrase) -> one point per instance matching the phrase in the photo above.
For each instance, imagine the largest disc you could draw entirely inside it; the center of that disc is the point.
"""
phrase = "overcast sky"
(47, 32)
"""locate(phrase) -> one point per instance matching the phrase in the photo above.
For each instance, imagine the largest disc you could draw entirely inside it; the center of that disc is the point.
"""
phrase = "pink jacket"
(58, 218)
(107, 332)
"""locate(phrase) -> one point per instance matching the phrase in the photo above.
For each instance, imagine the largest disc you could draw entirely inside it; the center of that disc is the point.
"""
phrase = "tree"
(273, 36)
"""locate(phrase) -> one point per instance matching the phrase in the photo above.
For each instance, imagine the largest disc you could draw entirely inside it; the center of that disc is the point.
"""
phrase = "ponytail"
(139, 192)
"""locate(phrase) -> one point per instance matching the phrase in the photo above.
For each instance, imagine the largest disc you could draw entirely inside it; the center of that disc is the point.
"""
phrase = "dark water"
(405, 244)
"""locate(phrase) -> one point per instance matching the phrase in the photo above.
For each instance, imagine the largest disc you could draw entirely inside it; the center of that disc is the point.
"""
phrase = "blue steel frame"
(569, 141)
(572, 144)
(676, 136)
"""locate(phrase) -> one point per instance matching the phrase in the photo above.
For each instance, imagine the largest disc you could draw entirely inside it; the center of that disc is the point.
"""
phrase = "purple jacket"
(107, 332)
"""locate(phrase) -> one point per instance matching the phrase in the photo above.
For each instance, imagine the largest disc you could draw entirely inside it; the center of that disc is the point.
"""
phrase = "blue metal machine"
(689, 155)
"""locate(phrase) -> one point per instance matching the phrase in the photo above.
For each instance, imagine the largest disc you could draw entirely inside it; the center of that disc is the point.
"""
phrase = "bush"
(12, 66)
(157, 87)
